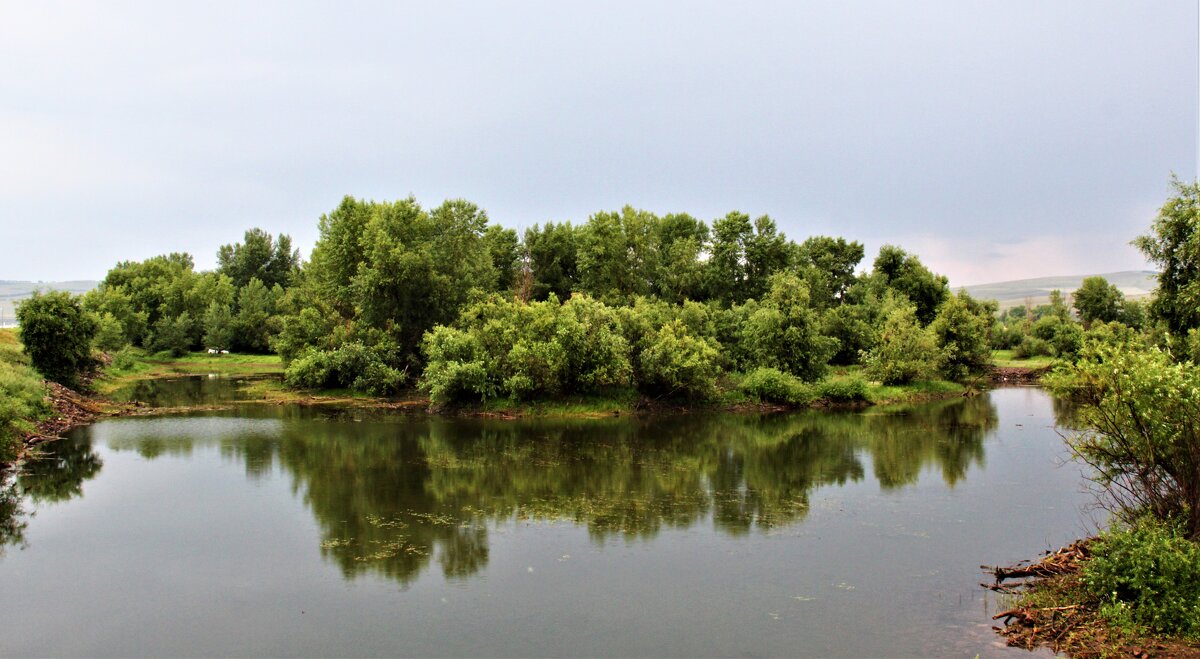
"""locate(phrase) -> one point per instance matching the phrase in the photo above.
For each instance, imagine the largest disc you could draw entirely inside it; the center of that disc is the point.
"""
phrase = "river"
(305, 531)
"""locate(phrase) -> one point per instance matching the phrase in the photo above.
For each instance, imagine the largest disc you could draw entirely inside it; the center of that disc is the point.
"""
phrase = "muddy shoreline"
(1072, 623)
(72, 408)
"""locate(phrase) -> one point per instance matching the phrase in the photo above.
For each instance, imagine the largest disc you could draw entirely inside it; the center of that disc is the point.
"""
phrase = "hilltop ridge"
(1133, 283)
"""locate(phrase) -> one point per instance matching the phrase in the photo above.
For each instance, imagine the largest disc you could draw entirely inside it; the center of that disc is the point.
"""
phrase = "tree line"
(397, 295)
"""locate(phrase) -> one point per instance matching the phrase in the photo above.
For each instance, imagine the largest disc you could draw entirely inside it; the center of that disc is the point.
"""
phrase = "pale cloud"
(980, 260)
(1023, 138)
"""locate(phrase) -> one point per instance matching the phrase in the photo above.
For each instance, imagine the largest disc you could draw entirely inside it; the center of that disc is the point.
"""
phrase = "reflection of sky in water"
(127, 432)
(803, 534)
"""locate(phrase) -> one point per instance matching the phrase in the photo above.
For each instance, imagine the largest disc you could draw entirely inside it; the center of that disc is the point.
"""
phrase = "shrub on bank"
(1148, 575)
(507, 348)
(843, 390)
(679, 364)
(905, 350)
(57, 335)
(22, 396)
(770, 385)
(350, 365)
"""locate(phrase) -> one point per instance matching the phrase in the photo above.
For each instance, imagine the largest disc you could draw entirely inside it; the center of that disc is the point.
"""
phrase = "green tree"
(1139, 414)
(260, 256)
(727, 263)
(553, 252)
(1098, 300)
(57, 334)
(172, 334)
(1173, 244)
(682, 240)
(505, 250)
(904, 273)
(745, 255)
(784, 331)
(961, 330)
(832, 262)
(110, 333)
(252, 325)
(340, 252)
(219, 331)
(618, 255)
(905, 351)
(385, 273)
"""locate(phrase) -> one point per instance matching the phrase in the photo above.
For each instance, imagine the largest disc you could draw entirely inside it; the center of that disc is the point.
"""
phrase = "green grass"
(913, 392)
(1005, 359)
(844, 385)
(141, 365)
(22, 396)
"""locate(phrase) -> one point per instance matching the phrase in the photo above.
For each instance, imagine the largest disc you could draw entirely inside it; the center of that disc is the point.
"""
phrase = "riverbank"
(48, 410)
(843, 388)
(1052, 608)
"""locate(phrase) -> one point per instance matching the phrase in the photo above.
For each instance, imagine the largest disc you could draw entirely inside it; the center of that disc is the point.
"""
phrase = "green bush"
(505, 348)
(1031, 346)
(22, 396)
(784, 331)
(1063, 336)
(57, 334)
(1139, 412)
(351, 366)
(1007, 336)
(455, 369)
(905, 350)
(1149, 574)
(679, 364)
(771, 385)
(843, 390)
(172, 335)
(961, 329)
(124, 359)
(110, 333)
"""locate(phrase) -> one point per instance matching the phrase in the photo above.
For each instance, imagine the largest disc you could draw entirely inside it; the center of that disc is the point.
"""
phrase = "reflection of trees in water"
(390, 497)
(12, 515)
(55, 473)
(59, 469)
(393, 496)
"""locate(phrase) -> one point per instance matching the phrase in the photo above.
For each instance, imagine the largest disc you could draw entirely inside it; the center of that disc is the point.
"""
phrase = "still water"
(290, 531)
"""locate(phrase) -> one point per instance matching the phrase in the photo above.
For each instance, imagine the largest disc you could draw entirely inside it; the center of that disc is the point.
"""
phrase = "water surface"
(288, 531)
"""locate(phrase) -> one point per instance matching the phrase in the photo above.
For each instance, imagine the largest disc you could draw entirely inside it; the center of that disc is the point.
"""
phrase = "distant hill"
(12, 292)
(1133, 283)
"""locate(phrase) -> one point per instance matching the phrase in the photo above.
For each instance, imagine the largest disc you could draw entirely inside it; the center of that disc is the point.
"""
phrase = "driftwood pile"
(1017, 374)
(70, 409)
(1064, 561)
(1027, 626)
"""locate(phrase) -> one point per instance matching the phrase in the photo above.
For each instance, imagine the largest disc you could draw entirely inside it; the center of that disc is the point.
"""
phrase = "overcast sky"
(998, 140)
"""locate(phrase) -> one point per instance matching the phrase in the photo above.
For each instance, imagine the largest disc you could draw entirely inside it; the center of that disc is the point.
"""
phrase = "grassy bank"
(844, 387)
(22, 396)
(1007, 359)
(1129, 592)
(133, 364)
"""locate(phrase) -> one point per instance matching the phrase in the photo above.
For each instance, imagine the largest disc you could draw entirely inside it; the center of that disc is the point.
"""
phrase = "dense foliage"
(1147, 575)
(22, 395)
(1173, 244)
(905, 351)
(1140, 414)
(396, 294)
(57, 335)
(505, 348)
